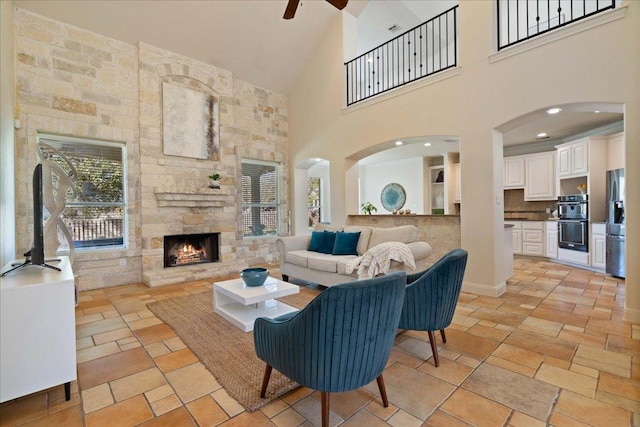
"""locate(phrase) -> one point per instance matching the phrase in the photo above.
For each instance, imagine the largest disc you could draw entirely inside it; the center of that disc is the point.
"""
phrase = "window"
(314, 187)
(95, 205)
(260, 198)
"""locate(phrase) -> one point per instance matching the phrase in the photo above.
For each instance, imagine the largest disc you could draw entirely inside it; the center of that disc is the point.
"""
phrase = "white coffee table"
(242, 305)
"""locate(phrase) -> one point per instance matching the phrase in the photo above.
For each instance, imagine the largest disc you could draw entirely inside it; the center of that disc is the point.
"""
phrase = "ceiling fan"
(292, 6)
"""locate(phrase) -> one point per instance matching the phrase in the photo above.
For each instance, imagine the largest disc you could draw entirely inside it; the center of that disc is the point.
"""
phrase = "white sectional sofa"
(328, 270)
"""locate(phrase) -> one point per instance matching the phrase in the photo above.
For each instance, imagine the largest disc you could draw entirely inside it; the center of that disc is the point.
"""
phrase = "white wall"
(7, 100)
(408, 173)
(600, 64)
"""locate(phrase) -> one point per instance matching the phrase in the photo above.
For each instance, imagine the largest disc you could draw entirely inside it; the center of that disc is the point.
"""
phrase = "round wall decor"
(393, 196)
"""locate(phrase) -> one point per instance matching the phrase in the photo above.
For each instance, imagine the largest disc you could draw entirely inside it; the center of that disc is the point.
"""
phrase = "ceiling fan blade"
(340, 4)
(290, 11)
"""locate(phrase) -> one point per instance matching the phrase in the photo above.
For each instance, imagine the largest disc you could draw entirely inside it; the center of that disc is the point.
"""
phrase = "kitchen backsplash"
(515, 207)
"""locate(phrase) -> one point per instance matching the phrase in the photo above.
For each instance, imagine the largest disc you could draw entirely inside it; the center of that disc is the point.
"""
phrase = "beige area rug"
(226, 351)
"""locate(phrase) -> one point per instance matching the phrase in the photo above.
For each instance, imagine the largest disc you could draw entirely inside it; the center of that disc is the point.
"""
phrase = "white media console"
(37, 329)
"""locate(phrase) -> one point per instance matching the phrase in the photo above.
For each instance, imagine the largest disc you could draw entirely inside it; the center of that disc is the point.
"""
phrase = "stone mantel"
(194, 198)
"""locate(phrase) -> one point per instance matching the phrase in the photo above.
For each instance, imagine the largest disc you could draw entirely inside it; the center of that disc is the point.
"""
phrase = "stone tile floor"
(553, 350)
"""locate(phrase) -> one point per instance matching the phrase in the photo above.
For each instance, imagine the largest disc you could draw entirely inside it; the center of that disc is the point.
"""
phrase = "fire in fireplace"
(188, 249)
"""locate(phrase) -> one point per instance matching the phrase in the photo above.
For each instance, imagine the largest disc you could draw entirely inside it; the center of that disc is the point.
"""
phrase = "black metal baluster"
(517, 20)
(440, 40)
(378, 68)
(447, 40)
(508, 23)
(433, 46)
(455, 35)
(548, 15)
(498, 22)
(537, 17)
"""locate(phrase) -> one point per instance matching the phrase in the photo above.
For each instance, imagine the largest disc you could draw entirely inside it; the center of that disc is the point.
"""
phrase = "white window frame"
(125, 202)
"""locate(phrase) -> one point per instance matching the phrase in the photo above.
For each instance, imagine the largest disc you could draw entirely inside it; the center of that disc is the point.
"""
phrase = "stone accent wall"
(253, 124)
(71, 81)
(74, 82)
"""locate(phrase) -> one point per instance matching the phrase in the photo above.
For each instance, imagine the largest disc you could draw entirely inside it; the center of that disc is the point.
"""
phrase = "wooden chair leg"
(444, 338)
(324, 397)
(265, 380)
(434, 348)
(383, 391)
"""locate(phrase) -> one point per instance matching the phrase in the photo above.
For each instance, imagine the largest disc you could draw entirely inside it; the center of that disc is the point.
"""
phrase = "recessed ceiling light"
(597, 112)
(427, 144)
(318, 159)
(554, 110)
(398, 142)
(541, 135)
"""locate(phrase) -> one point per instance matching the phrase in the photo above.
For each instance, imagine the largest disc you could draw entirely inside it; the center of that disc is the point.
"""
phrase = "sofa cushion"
(328, 240)
(420, 250)
(403, 233)
(297, 257)
(346, 243)
(316, 241)
(365, 235)
(322, 262)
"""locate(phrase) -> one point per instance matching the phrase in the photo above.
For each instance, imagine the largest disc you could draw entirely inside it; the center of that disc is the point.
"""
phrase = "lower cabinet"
(552, 239)
(516, 231)
(533, 238)
(598, 246)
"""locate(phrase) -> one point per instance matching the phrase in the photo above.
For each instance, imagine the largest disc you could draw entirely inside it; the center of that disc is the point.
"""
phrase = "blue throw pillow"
(316, 241)
(346, 243)
(328, 240)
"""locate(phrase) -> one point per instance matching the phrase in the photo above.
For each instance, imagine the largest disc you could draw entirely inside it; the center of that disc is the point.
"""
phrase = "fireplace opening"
(189, 249)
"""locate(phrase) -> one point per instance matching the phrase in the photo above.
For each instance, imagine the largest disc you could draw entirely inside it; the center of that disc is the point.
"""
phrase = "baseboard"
(488, 290)
(632, 316)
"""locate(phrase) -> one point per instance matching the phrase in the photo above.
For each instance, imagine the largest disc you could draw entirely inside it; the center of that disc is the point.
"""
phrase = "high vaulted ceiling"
(250, 39)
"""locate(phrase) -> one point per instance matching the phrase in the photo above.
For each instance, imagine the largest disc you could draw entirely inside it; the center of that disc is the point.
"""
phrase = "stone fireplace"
(188, 249)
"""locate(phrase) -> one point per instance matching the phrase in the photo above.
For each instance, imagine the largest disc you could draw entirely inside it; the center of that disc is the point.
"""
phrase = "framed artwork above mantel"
(190, 125)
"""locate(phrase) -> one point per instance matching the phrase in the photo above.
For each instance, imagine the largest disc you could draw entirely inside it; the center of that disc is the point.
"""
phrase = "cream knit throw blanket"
(377, 260)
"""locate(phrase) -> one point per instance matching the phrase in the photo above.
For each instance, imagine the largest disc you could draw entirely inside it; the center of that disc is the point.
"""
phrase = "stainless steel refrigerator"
(615, 223)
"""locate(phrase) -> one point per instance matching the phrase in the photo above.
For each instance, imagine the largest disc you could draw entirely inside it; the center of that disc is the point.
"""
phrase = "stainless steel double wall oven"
(573, 222)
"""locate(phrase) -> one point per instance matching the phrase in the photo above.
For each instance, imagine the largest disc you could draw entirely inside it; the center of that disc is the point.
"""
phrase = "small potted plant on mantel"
(368, 207)
(215, 180)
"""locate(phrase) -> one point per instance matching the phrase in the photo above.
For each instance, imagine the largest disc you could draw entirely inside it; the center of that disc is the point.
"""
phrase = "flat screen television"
(35, 256)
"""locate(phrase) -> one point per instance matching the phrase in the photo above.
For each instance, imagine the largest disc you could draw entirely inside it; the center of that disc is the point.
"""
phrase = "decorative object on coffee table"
(254, 276)
(393, 196)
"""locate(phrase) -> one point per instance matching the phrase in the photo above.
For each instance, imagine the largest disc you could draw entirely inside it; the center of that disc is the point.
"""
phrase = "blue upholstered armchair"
(432, 295)
(340, 341)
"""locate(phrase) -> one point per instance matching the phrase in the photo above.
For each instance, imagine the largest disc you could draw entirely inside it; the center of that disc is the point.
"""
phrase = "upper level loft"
(431, 46)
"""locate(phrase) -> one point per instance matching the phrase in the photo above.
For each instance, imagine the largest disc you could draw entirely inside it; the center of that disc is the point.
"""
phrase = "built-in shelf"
(204, 198)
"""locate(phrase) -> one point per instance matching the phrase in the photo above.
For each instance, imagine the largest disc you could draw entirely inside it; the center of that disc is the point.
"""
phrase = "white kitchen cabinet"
(551, 239)
(533, 238)
(457, 192)
(37, 329)
(540, 176)
(598, 246)
(516, 232)
(514, 176)
(615, 151)
(573, 159)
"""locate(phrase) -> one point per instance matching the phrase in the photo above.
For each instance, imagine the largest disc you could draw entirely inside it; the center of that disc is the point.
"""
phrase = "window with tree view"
(260, 200)
(96, 204)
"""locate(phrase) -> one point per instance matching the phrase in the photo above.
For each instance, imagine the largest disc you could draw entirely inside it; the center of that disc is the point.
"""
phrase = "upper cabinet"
(615, 148)
(540, 176)
(514, 172)
(573, 159)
